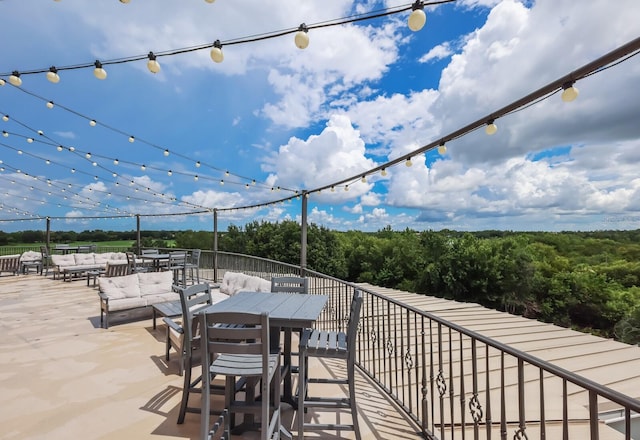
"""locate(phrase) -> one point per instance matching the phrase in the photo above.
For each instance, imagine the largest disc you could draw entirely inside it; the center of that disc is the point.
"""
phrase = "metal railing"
(453, 382)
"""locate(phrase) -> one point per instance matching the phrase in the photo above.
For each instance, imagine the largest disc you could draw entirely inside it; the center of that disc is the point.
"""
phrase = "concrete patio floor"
(62, 376)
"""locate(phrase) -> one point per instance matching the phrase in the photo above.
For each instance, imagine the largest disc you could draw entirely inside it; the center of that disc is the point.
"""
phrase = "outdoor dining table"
(157, 260)
(286, 311)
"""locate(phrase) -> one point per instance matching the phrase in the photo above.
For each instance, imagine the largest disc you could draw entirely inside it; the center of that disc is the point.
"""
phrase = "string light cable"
(53, 72)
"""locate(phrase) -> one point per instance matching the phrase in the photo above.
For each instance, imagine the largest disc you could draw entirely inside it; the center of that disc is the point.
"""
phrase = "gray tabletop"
(286, 310)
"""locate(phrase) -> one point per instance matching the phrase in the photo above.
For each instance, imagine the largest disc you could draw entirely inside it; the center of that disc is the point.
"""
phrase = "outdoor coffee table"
(169, 309)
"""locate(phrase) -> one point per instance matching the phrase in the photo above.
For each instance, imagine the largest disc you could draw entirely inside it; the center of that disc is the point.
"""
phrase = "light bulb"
(99, 72)
(125, 1)
(195, 177)
(222, 183)
(5, 118)
(5, 134)
(302, 37)
(50, 104)
(569, 92)
(417, 18)
(166, 152)
(52, 75)
(346, 187)
(491, 127)
(92, 123)
(198, 164)
(442, 149)
(15, 79)
(132, 139)
(2, 82)
(59, 148)
(153, 65)
(408, 162)
(143, 167)
(30, 140)
(169, 173)
(88, 155)
(116, 161)
(216, 52)
(72, 149)
(383, 172)
(209, 1)
(364, 179)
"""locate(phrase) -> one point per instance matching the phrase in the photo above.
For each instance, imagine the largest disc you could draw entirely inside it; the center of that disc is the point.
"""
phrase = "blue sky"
(360, 95)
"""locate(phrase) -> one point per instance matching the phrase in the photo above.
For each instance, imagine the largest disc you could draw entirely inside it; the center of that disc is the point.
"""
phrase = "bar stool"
(337, 345)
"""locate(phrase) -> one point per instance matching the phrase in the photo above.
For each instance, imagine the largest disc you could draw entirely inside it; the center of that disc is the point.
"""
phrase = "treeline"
(589, 281)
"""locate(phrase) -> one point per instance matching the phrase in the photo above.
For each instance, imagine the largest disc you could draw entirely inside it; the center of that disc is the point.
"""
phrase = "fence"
(455, 383)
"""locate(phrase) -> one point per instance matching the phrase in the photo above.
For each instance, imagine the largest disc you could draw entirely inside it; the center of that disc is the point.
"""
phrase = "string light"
(195, 177)
(92, 123)
(52, 75)
(198, 164)
(15, 79)
(2, 82)
(364, 179)
(99, 72)
(216, 52)
(408, 162)
(116, 161)
(442, 149)
(569, 92)
(153, 65)
(5, 118)
(383, 172)
(169, 173)
(5, 134)
(302, 37)
(29, 140)
(417, 18)
(166, 153)
(491, 127)
(132, 139)
(49, 104)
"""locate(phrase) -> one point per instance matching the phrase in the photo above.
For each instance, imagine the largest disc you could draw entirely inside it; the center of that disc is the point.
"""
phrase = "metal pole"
(138, 242)
(48, 233)
(303, 235)
(215, 245)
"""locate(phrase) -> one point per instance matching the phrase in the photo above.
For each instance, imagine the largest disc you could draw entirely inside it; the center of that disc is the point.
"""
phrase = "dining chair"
(177, 264)
(46, 260)
(184, 337)
(241, 345)
(134, 267)
(193, 263)
(336, 345)
(290, 284)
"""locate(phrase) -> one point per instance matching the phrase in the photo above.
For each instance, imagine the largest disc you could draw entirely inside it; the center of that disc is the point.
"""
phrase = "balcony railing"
(453, 382)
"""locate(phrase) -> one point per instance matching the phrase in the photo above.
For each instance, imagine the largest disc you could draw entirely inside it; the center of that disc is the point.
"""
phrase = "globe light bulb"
(408, 162)
(491, 128)
(383, 172)
(15, 79)
(49, 104)
(153, 65)
(417, 18)
(92, 123)
(216, 52)
(569, 92)
(302, 37)
(442, 149)
(52, 75)
(99, 72)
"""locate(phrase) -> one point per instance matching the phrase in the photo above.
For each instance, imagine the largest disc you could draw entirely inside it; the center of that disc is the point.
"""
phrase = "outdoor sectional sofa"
(70, 264)
(135, 291)
(234, 282)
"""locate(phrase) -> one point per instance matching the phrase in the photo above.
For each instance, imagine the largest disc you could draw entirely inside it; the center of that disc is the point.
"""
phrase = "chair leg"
(302, 391)
(186, 389)
(352, 398)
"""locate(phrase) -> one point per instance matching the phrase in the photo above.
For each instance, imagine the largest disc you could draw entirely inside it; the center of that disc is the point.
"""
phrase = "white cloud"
(438, 52)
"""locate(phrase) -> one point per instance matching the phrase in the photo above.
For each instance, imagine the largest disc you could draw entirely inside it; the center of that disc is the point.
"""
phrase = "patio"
(64, 377)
